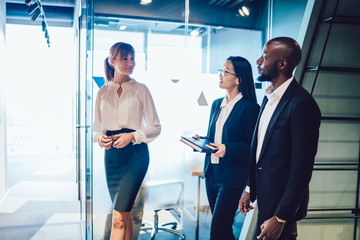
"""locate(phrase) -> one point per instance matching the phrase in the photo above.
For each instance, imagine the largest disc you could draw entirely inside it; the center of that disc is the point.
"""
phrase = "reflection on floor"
(188, 227)
(42, 214)
(41, 202)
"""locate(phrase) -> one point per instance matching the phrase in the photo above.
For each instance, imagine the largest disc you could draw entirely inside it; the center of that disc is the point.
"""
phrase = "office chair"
(163, 195)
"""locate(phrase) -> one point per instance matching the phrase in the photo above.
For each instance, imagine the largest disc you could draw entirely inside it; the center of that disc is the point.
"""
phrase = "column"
(2, 101)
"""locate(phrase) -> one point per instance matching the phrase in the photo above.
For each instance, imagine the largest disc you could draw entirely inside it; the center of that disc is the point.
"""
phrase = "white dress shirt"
(226, 108)
(134, 109)
(274, 96)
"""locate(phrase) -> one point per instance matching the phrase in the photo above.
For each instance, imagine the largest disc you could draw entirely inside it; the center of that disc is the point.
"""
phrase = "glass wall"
(331, 74)
(39, 95)
(177, 57)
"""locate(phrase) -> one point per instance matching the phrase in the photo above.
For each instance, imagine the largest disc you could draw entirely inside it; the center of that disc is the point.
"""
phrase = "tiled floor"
(42, 204)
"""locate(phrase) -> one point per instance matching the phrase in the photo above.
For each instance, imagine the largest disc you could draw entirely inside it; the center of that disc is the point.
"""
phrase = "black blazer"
(237, 134)
(280, 179)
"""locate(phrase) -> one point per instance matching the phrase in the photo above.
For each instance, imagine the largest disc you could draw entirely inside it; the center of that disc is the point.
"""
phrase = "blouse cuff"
(139, 136)
(97, 138)
(247, 189)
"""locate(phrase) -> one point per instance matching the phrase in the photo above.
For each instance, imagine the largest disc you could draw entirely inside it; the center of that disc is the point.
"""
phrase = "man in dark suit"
(284, 145)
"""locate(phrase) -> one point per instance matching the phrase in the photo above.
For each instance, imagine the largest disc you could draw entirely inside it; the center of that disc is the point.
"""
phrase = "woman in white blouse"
(125, 121)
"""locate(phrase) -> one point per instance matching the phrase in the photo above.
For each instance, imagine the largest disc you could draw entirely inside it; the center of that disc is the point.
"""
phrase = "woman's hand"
(123, 139)
(196, 136)
(221, 149)
(106, 142)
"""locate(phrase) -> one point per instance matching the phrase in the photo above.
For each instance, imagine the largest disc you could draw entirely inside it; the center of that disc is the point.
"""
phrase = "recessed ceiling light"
(145, 2)
(122, 27)
(241, 12)
(246, 10)
(194, 33)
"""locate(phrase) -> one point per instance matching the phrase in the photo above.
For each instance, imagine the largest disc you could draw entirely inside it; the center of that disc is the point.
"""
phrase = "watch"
(279, 220)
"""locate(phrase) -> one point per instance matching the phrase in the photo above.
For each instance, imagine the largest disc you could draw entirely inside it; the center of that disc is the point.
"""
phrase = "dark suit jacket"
(237, 134)
(280, 179)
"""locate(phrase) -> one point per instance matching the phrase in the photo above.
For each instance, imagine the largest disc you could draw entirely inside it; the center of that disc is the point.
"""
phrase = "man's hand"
(271, 229)
(123, 139)
(245, 203)
(106, 142)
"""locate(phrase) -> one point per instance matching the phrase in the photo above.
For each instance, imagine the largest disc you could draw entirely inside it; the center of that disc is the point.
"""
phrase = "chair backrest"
(164, 194)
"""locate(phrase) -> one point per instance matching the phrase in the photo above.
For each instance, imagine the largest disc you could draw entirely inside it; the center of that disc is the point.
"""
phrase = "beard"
(270, 75)
(265, 78)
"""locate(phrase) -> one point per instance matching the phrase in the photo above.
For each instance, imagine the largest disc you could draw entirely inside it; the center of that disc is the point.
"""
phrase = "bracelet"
(280, 220)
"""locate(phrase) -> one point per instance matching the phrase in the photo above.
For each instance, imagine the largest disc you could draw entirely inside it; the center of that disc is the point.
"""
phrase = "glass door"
(179, 66)
(84, 95)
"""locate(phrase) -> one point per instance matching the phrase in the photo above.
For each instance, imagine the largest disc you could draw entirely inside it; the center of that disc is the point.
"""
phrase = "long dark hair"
(243, 71)
(118, 48)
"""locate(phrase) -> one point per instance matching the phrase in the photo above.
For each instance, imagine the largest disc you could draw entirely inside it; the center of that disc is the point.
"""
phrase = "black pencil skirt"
(125, 169)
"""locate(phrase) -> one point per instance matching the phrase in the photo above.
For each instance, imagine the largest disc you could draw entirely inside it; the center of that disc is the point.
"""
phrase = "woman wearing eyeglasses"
(231, 125)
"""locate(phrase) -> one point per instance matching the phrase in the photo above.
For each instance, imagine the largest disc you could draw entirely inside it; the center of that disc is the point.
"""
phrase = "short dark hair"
(292, 52)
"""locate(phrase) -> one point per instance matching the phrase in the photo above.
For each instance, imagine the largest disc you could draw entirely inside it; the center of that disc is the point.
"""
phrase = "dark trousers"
(289, 232)
(223, 203)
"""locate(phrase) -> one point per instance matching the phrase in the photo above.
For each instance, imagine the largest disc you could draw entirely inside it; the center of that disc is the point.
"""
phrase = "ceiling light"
(145, 2)
(194, 33)
(241, 12)
(246, 10)
(122, 27)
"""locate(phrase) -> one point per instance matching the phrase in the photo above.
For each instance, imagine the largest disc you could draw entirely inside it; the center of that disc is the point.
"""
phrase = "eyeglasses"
(223, 72)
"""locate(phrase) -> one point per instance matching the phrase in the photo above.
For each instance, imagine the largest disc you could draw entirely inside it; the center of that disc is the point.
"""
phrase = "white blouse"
(134, 109)
(226, 108)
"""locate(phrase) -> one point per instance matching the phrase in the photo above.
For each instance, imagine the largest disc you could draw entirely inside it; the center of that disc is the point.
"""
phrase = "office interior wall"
(2, 101)
(287, 17)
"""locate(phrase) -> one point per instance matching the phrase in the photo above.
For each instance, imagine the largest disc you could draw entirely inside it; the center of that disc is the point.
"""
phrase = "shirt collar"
(232, 102)
(274, 95)
(123, 85)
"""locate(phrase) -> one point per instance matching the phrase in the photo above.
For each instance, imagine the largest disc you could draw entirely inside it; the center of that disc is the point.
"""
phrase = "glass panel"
(84, 116)
(326, 229)
(318, 45)
(348, 8)
(202, 89)
(336, 92)
(338, 142)
(333, 189)
(40, 167)
(161, 58)
(337, 53)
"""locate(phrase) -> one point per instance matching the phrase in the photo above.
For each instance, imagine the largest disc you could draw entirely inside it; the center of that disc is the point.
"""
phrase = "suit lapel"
(214, 119)
(255, 134)
(279, 108)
